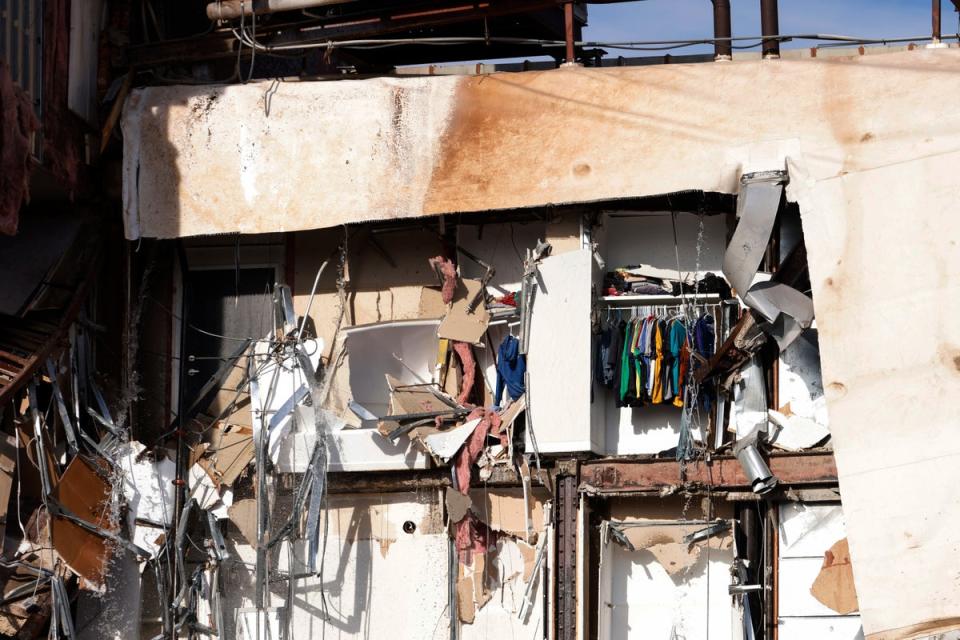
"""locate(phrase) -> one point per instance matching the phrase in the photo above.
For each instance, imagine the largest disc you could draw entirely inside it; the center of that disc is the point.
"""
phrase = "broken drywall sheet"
(499, 586)
(505, 510)
(801, 380)
(445, 444)
(806, 533)
(148, 488)
(229, 453)
(893, 428)
(793, 433)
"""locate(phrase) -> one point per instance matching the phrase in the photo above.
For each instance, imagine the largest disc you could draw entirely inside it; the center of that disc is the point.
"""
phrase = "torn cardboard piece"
(459, 324)
(834, 586)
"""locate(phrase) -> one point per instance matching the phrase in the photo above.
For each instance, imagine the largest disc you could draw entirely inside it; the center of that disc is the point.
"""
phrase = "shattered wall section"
(652, 580)
(384, 573)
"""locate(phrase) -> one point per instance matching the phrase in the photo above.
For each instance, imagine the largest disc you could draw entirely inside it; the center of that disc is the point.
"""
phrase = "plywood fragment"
(834, 585)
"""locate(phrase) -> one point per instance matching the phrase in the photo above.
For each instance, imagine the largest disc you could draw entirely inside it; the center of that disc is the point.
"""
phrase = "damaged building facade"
(596, 351)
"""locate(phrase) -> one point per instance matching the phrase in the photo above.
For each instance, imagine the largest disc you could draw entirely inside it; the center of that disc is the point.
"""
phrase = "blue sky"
(678, 19)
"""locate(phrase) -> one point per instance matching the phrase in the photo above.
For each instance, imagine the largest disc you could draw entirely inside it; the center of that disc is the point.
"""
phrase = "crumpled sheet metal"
(787, 311)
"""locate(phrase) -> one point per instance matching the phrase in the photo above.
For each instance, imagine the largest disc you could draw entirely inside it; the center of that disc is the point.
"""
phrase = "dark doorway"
(231, 305)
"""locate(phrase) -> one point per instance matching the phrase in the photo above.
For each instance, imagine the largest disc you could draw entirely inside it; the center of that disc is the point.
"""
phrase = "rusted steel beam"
(650, 476)
(568, 30)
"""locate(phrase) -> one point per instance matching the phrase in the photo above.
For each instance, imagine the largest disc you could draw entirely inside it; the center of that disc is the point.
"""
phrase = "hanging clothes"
(511, 367)
(678, 339)
(704, 343)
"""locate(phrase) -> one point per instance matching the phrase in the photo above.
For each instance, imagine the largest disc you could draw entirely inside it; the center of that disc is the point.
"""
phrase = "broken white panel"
(149, 492)
(885, 269)
(376, 580)
(348, 449)
(445, 444)
(558, 359)
(794, 433)
(203, 488)
(807, 531)
(801, 382)
(829, 628)
(637, 593)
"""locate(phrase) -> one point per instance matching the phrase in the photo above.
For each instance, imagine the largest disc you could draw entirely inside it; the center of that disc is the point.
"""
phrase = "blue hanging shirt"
(511, 365)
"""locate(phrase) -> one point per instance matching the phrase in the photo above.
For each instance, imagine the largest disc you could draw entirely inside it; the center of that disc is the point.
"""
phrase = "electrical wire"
(640, 45)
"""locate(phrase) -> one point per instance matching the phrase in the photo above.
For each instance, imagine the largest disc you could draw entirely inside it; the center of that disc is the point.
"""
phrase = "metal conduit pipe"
(231, 9)
(935, 15)
(770, 28)
(568, 32)
(723, 47)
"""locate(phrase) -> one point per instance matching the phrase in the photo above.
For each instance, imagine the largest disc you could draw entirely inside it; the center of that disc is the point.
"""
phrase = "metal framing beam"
(724, 473)
(566, 500)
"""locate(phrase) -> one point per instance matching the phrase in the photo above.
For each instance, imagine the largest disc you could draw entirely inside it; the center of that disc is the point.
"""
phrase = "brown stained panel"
(85, 494)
